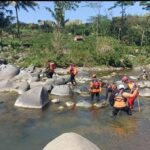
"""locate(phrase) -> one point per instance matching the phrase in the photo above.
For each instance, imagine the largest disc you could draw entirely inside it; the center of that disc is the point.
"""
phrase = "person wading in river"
(120, 100)
(73, 71)
(95, 88)
(112, 89)
(131, 86)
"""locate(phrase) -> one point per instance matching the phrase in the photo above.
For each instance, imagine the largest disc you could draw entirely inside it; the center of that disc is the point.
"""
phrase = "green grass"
(92, 51)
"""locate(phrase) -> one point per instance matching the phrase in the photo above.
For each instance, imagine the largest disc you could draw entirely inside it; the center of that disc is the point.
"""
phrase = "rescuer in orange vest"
(50, 69)
(95, 88)
(73, 71)
(131, 86)
(120, 100)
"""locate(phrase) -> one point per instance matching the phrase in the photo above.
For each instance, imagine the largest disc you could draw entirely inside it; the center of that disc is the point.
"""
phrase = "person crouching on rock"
(95, 88)
(50, 69)
(73, 71)
(120, 100)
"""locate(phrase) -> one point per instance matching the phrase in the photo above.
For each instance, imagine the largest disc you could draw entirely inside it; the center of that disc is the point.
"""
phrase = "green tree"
(24, 5)
(97, 8)
(123, 5)
(59, 12)
(5, 19)
(145, 5)
(104, 27)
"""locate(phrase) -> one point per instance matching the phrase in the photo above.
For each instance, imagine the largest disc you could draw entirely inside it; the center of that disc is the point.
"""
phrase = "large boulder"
(70, 141)
(8, 85)
(9, 72)
(62, 80)
(34, 98)
(23, 87)
(62, 90)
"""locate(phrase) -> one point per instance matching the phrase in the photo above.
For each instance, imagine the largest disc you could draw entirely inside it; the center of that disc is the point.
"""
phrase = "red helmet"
(124, 79)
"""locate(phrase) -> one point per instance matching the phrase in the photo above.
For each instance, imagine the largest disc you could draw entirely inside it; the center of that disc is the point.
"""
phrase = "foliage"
(59, 12)
(145, 5)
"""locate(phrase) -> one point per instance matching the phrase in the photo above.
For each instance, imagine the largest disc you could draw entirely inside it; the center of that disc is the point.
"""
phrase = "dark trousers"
(111, 99)
(72, 79)
(126, 109)
(108, 90)
(97, 97)
(50, 74)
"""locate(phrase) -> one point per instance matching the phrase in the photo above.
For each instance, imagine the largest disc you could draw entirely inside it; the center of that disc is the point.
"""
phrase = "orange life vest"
(95, 86)
(73, 70)
(132, 86)
(120, 101)
(52, 66)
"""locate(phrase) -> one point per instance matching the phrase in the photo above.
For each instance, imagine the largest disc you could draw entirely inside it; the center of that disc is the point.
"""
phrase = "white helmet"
(121, 86)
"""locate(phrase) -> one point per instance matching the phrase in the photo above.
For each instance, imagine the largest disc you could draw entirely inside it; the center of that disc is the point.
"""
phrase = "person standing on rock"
(73, 71)
(95, 88)
(131, 86)
(50, 68)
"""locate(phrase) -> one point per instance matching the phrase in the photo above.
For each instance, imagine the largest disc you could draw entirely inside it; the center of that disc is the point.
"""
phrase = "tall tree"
(5, 19)
(59, 12)
(24, 5)
(145, 5)
(97, 8)
(123, 5)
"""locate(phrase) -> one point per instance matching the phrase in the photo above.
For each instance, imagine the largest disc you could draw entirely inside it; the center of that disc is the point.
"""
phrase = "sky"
(82, 13)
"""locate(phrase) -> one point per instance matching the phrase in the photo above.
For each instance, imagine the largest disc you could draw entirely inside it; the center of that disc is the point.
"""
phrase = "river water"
(31, 129)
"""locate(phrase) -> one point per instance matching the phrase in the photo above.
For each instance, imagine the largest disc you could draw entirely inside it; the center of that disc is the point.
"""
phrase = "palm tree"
(24, 5)
(59, 12)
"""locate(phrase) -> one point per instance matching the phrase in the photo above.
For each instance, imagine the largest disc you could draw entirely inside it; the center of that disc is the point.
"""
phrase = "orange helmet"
(124, 79)
(94, 75)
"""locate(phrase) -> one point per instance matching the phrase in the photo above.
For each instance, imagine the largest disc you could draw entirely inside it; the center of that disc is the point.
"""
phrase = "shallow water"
(22, 129)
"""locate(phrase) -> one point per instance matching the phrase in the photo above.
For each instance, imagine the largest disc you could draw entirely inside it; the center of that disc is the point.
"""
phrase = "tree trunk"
(122, 21)
(142, 37)
(18, 28)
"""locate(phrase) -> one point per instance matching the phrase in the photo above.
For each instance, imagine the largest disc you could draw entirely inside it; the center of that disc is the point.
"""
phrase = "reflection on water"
(24, 129)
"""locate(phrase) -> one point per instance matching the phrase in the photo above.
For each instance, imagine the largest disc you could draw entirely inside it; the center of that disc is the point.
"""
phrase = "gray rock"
(143, 84)
(9, 72)
(70, 104)
(62, 90)
(8, 85)
(62, 80)
(34, 77)
(83, 104)
(56, 100)
(100, 105)
(34, 98)
(144, 92)
(5, 48)
(3, 61)
(30, 69)
(70, 141)
(24, 86)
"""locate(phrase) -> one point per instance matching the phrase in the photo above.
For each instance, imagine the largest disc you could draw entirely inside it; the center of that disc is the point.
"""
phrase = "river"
(31, 129)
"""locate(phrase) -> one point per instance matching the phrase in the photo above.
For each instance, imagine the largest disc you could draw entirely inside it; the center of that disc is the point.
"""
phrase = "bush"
(15, 44)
